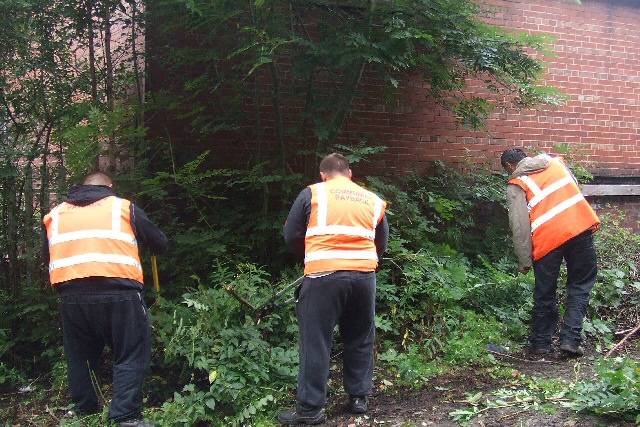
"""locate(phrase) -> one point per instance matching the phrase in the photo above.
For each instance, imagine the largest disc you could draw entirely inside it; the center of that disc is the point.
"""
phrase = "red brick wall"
(596, 63)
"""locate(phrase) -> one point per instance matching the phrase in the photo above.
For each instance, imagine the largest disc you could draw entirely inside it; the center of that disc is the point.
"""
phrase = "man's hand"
(524, 270)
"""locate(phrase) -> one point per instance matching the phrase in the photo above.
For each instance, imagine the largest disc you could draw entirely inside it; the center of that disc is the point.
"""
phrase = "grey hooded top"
(518, 212)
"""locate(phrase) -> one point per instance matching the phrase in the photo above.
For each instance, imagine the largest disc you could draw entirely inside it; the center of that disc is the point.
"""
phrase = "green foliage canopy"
(321, 56)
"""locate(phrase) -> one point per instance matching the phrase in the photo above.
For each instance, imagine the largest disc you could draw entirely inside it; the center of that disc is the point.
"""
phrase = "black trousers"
(119, 320)
(345, 298)
(580, 255)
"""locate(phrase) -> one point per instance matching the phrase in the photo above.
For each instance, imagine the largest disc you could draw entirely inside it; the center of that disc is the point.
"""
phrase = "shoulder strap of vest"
(52, 211)
(519, 182)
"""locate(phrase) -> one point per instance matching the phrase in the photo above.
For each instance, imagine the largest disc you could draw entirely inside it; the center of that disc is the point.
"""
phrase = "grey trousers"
(345, 298)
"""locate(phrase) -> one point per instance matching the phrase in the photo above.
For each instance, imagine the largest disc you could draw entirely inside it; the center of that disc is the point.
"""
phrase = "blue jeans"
(580, 256)
(345, 298)
(119, 320)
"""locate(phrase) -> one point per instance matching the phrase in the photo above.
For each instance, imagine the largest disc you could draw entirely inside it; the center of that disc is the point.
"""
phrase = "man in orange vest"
(551, 221)
(341, 230)
(91, 248)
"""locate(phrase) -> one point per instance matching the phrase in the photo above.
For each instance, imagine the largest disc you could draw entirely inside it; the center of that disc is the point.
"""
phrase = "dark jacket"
(295, 227)
(147, 233)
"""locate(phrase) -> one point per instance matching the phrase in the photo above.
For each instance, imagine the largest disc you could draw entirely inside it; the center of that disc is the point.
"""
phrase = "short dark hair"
(334, 162)
(512, 156)
(97, 178)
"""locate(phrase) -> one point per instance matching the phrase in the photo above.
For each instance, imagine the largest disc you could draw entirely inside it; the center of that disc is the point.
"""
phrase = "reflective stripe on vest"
(87, 234)
(346, 230)
(542, 194)
(80, 246)
(338, 254)
(341, 230)
(558, 211)
(94, 257)
(531, 184)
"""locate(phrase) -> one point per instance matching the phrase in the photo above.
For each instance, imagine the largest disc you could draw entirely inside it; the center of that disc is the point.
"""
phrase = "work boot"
(358, 404)
(294, 417)
(572, 350)
(540, 351)
(136, 423)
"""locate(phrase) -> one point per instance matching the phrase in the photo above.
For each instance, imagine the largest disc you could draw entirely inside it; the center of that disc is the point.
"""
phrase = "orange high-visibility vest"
(557, 209)
(341, 230)
(96, 240)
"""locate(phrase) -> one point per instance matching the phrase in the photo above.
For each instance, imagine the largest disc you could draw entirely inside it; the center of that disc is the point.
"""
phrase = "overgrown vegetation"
(448, 285)
(429, 309)
(446, 289)
(614, 392)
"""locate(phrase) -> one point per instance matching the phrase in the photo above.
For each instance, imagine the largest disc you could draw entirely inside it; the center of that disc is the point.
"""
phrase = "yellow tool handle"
(154, 270)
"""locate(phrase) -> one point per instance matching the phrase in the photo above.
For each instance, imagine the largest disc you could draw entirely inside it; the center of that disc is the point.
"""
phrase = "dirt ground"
(429, 406)
(432, 405)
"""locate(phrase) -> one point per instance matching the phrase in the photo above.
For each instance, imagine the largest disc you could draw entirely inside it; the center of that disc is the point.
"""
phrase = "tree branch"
(622, 341)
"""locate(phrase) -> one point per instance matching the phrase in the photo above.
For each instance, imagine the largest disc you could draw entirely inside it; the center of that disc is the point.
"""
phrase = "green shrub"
(10, 376)
(233, 367)
(412, 368)
(468, 341)
(615, 391)
(447, 288)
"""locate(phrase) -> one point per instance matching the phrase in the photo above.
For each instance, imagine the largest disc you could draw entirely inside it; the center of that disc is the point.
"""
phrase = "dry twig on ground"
(623, 340)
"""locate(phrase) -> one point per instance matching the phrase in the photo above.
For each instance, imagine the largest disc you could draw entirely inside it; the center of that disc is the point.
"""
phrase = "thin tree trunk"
(44, 176)
(29, 239)
(139, 113)
(92, 53)
(92, 61)
(13, 274)
(109, 81)
(44, 192)
(311, 159)
(350, 87)
(12, 232)
(258, 128)
(61, 175)
(136, 67)
(275, 96)
(343, 105)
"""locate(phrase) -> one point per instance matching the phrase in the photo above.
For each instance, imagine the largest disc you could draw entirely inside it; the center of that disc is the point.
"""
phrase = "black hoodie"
(146, 233)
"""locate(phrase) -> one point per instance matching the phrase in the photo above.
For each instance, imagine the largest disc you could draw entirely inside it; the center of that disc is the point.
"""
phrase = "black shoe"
(573, 350)
(293, 417)
(540, 351)
(358, 404)
(136, 423)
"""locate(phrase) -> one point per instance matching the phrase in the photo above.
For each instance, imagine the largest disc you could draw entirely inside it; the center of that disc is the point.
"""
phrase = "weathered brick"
(596, 63)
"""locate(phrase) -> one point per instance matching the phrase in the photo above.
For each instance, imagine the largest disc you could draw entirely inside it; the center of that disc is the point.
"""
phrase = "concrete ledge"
(611, 190)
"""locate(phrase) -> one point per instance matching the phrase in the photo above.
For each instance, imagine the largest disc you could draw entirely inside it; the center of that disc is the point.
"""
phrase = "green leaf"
(211, 404)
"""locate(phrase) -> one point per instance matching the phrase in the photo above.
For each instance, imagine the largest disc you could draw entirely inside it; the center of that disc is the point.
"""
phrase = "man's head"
(98, 178)
(334, 165)
(510, 159)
